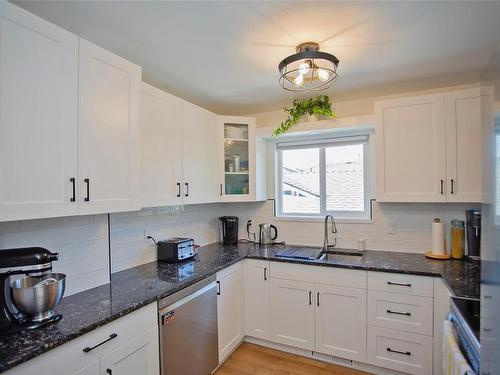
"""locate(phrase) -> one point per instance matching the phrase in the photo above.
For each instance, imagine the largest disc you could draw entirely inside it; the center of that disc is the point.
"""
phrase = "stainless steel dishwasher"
(188, 330)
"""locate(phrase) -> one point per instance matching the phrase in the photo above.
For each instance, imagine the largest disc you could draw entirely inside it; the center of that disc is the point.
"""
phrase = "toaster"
(175, 249)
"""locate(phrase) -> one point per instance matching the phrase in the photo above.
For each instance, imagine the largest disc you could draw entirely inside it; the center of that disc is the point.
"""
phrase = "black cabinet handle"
(187, 189)
(317, 299)
(397, 351)
(178, 189)
(221, 190)
(310, 298)
(73, 183)
(399, 284)
(218, 288)
(452, 186)
(265, 273)
(111, 337)
(398, 312)
(442, 188)
(87, 182)
(108, 371)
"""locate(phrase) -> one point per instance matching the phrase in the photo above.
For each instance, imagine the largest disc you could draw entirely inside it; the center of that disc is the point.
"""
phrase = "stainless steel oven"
(188, 330)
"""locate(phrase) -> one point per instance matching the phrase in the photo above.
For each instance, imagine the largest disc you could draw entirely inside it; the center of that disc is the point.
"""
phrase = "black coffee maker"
(473, 225)
(229, 230)
(27, 302)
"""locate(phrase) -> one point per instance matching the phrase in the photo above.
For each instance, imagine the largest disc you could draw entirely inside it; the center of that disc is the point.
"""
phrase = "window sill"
(321, 219)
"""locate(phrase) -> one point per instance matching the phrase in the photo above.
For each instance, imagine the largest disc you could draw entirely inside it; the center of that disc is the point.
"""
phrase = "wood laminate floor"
(250, 359)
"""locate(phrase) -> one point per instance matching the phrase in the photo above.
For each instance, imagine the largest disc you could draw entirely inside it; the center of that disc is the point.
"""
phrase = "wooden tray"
(434, 256)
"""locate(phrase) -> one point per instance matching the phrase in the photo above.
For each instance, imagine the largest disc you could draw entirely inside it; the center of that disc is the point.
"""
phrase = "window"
(327, 176)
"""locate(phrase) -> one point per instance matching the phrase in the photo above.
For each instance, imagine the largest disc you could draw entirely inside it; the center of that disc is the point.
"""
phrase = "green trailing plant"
(319, 106)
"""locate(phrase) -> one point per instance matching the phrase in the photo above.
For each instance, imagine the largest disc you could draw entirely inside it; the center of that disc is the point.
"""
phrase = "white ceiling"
(224, 55)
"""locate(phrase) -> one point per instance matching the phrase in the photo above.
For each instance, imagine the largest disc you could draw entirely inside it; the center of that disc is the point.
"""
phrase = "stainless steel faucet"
(326, 243)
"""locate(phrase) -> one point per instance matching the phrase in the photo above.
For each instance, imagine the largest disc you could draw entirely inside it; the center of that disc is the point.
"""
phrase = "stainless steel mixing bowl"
(37, 296)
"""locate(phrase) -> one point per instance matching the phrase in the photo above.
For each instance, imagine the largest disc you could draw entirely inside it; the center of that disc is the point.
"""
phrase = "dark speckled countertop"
(139, 286)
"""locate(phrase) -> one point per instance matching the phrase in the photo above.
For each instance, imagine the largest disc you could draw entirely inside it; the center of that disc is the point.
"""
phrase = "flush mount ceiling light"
(308, 69)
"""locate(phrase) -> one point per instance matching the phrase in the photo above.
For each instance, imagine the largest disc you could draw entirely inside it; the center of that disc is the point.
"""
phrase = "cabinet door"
(38, 116)
(410, 149)
(161, 148)
(92, 369)
(199, 154)
(341, 321)
(236, 156)
(140, 356)
(230, 305)
(292, 313)
(109, 134)
(464, 145)
(257, 311)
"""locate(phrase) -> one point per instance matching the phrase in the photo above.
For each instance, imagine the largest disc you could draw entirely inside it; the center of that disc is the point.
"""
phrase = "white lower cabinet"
(129, 345)
(230, 306)
(401, 351)
(257, 302)
(292, 313)
(341, 322)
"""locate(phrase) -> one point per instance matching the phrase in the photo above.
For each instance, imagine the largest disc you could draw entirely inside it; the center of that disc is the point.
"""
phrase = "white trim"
(320, 219)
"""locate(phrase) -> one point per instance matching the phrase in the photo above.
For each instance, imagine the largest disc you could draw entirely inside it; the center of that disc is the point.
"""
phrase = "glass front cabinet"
(237, 157)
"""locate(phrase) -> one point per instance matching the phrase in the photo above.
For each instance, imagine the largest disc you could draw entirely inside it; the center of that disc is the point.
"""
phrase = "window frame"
(364, 138)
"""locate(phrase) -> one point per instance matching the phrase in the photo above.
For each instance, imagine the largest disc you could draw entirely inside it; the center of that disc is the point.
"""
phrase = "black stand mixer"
(27, 302)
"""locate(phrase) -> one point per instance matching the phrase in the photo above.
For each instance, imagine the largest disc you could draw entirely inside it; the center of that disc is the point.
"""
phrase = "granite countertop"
(138, 286)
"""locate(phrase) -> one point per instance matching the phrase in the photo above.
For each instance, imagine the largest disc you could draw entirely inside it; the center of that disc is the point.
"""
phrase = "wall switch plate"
(391, 226)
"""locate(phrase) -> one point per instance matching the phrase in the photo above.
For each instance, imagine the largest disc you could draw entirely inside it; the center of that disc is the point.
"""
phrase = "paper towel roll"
(438, 243)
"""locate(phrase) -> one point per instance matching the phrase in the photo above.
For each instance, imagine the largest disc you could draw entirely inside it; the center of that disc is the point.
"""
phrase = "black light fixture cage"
(311, 64)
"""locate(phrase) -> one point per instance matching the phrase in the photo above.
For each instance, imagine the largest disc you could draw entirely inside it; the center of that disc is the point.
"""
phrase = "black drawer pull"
(218, 288)
(178, 189)
(397, 351)
(399, 284)
(452, 186)
(221, 190)
(398, 313)
(108, 371)
(442, 188)
(310, 299)
(187, 189)
(317, 299)
(73, 183)
(111, 337)
(265, 273)
(87, 182)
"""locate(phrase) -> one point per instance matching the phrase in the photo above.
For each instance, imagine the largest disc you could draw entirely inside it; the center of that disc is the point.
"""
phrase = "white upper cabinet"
(464, 144)
(410, 149)
(38, 116)
(199, 154)
(429, 147)
(161, 148)
(109, 133)
(236, 156)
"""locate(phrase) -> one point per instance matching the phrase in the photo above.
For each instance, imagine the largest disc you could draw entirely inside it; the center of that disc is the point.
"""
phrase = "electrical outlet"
(391, 226)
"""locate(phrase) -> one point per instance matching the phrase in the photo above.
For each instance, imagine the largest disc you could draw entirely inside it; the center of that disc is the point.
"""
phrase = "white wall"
(81, 241)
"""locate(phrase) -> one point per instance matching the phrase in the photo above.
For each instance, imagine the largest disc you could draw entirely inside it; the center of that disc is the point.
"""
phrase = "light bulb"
(323, 75)
(299, 80)
(304, 68)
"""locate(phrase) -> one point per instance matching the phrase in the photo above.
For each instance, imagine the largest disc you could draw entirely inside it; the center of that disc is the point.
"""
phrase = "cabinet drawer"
(70, 357)
(401, 283)
(401, 351)
(317, 274)
(398, 311)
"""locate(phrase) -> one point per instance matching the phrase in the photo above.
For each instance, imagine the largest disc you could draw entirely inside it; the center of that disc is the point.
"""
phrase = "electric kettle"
(266, 235)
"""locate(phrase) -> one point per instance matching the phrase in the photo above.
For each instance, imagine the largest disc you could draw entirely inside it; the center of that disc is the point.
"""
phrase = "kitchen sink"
(341, 255)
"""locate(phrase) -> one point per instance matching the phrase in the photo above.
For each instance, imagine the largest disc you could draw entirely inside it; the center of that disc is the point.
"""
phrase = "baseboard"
(323, 357)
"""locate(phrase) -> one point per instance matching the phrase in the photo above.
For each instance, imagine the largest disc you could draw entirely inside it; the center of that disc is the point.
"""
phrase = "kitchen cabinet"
(410, 149)
(341, 322)
(428, 148)
(230, 309)
(161, 148)
(38, 117)
(199, 154)
(139, 356)
(257, 299)
(108, 131)
(236, 158)
(292, 313)
(133, 349)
